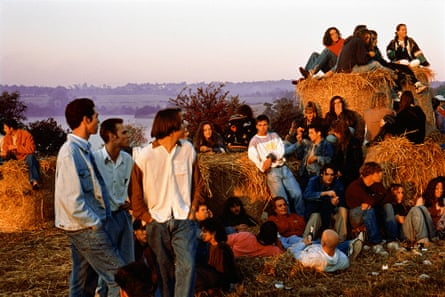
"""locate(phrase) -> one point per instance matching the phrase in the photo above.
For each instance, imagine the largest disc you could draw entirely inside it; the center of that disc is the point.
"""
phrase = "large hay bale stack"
(22, 207)
(411, 165)
(233, 174)
(358, 89)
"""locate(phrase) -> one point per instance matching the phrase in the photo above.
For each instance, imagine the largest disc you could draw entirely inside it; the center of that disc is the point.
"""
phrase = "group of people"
(360, 53)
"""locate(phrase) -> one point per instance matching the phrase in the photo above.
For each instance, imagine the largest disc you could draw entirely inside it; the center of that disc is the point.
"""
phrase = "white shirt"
(116, 175)
(167, 180)
(261, 146)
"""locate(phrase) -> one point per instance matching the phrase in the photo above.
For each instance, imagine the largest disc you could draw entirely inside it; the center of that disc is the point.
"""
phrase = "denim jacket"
(78, 199)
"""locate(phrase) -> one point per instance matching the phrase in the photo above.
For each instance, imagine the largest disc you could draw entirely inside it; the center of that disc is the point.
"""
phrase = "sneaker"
(304, 72)
(355, 247)
(393, 246)
(419, 87)
(379, 250)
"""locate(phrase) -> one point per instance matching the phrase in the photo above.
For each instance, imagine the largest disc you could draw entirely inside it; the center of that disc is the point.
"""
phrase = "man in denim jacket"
(82, 205)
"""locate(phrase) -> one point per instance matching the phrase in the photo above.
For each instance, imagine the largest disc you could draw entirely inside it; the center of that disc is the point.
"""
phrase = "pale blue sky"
(117, 42)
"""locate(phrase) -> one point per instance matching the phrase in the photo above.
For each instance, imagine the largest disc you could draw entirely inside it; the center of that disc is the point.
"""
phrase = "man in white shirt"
(115, 166)
(161, 192)
(266, 150)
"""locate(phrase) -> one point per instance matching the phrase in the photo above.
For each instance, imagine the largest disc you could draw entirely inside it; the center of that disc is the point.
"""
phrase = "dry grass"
(38, 263)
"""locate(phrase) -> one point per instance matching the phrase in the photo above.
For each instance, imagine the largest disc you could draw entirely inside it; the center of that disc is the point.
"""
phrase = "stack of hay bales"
(22, 207)
(358, 88)
(226, 175)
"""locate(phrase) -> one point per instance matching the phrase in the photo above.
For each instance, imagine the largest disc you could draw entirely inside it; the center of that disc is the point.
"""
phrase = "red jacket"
(25, 144)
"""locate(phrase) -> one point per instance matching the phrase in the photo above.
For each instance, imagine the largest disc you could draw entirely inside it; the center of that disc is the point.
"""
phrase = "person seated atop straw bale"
(316, 153)
(240, 129)
(324, 197)
(338, 112)
(18, 144)
(220, 269)
(348, 153)
(404, 50)
(439, 112)
(327, 59)
(410, 119)
(415, 223)
(207, 140)
(404, 74)
(291, 226)
(355, 55)
(139, 278)
(266, 151)
(324, 256)
(311, 117)
(369, 203)
(234, 216)
(434, 200)
(373, 116)
(264, 244)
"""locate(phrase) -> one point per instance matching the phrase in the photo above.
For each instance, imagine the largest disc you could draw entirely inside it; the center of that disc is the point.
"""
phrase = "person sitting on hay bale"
(415, 225)
(234, 216)
(207, 140)
(18, 144)
(324, 197)
(316, 153)
(410, 119)
(240, 129)
(326, 255)
(338, 112)
(369, 203)
(434, 201)
(266, 151)
(404, 73)
(328, 58)
(439, 112)
(265, 244)
(311, 117)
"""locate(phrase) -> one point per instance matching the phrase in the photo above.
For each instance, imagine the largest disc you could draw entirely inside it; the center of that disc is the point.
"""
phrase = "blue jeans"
(174, 245)
(324, 61)
(392, 230)
(120, 229)
(282, 183)
(357, 217)
(373, 65)
(33, 165)
(93, 253)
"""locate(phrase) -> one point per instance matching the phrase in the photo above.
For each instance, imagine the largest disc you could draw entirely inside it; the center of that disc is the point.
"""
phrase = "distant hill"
(128, 99)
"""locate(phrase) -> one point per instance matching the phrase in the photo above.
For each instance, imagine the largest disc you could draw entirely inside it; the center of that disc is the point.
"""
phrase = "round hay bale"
(358, 89)
(411, 165)
(226, 175)
(22, 207)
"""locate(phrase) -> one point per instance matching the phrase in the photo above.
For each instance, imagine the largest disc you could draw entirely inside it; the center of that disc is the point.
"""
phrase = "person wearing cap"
(439, 112)
(264, 244)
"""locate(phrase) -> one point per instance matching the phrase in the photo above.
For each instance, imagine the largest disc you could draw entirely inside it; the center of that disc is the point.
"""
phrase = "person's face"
(334, 35)
(202, 213)
(399, 193)
(438, 191)
(327, 176)
(377, 176)
(281, 207)
(207, 131)
(7, 129)
(367, 38)
(262, 128)
(141, 235)
(314, 135)
(402, 32)
(93, 123)
(310, 115)
(122, 136)
(338, 106)
(206, 235)
(235, 209)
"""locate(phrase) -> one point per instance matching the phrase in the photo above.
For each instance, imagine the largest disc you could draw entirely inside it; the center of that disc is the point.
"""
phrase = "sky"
(104, 42)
